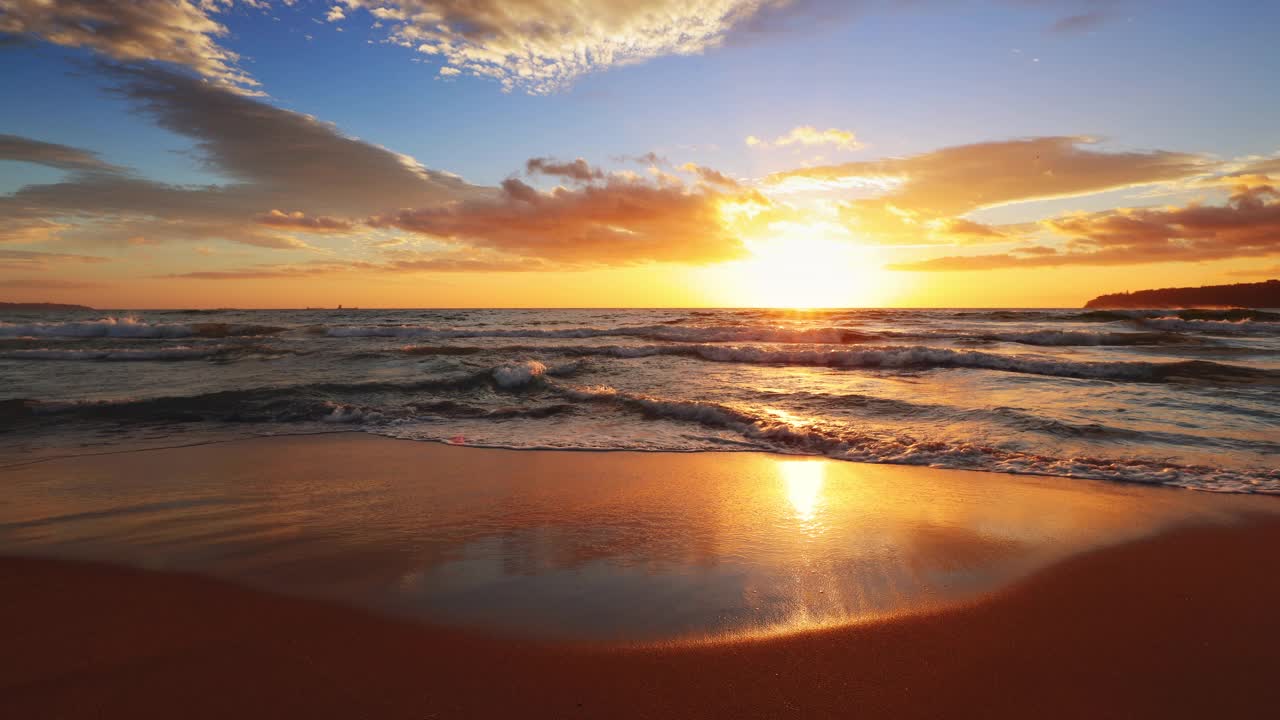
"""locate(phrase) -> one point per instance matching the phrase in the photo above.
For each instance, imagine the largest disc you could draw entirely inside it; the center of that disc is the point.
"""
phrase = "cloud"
(542, 46)
(288, 171)
(1269, 272)
(951, 182)
(1081, 22)
(615, 221)
(1247, 225)
(959, 179)
(405, 262)
(271, 158)
(577, 170)
(301, 221)
(175, 31)
(60, 157)
(47, 284)
(965, 231)
(710, 175)
(25, 226)
(33, 260)
(535, 45)
(809, 135)
(281, 152)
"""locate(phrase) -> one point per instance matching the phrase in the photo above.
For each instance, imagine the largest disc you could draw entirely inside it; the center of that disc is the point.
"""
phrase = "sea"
(1184, 398)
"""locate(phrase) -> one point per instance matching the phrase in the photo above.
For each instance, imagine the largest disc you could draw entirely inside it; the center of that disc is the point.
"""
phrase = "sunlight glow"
(803, 480)
(802, 266)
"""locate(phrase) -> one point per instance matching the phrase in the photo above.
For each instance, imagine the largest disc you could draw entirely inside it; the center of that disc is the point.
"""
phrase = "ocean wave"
(455, 409)
(178, 353)
(1244, 326)
(761, 334)
(845, 443)
(923, 358)
(442, 350)
(291, 403)
(515, 375)
(1052, 338)
(662, 332)
(897, 357)
(1120, 315)
(130, 327)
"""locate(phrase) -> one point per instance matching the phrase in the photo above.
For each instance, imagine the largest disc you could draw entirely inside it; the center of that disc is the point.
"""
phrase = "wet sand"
(1181, 625)
(381, 578)
(579, 546)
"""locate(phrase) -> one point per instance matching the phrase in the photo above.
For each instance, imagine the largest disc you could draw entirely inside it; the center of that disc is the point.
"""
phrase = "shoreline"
(140, 447)
(610, 547)
(1180, 624)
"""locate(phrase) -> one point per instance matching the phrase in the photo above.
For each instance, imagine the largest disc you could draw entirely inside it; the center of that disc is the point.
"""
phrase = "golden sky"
(253, 204)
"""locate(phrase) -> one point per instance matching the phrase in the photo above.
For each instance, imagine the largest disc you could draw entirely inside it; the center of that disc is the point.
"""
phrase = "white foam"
(518, 374)
(844, 443)
(120, 327)
(900, 357)
(1221, 327)
(181, 352)
(719, 333)
(1082, 337)
(347, 414)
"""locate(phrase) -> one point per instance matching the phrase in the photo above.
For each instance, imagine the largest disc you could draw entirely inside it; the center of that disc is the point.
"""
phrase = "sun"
(803, 266)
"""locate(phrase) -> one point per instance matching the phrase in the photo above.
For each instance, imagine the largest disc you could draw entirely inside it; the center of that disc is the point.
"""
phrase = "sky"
(614, 153)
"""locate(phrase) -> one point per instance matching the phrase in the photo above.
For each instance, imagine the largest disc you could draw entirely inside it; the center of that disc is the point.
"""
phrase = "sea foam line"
(844, 443)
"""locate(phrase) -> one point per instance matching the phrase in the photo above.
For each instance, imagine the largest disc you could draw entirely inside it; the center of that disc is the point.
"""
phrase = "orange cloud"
(301, 221)
(1247, 225)
(401, 263)
(45, 283)
(617, 221)
(956, 180)
(33, 260)
(809, 135)
(577, 170)
(936, 187)
(710, 176)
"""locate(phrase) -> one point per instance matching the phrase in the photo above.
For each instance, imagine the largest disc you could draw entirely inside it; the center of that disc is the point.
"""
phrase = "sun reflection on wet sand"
(615, 547)
(803, 480)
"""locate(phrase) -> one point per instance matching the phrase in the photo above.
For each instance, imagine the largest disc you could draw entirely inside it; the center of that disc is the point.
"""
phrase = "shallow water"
(1186, 399)
(632, 547)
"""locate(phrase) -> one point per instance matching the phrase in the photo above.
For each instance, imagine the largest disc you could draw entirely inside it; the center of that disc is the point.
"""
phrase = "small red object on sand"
(458, 440)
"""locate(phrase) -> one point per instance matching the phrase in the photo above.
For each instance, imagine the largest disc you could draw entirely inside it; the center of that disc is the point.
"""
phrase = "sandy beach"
(272, 594)
(1182, 625)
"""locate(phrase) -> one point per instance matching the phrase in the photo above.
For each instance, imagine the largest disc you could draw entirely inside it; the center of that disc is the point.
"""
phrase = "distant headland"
(41, 306)
(1246, 295)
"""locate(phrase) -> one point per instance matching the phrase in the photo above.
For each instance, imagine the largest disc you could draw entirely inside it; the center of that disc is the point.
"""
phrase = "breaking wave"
(181, 352)
(1051, 338)
(844, 443)
(667, 333)
(1243, 326)
(130, 327)
(923, 358)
